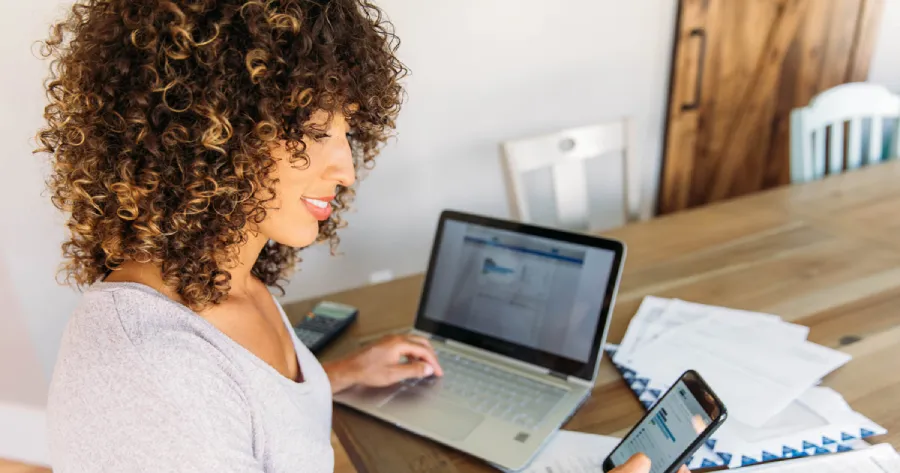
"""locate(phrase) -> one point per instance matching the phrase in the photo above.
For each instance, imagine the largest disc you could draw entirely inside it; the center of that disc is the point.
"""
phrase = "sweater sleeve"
(170, 405)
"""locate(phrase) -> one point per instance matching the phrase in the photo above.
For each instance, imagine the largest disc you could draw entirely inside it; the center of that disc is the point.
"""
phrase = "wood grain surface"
(824, 254)
(8, 466)
(762, 59)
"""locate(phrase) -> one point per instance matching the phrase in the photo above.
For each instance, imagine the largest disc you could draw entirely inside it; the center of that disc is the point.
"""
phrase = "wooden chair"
(583, 179)
(863, 106)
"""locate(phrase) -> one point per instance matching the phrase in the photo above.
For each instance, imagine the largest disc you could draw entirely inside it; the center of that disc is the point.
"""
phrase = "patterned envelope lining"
(649, 396)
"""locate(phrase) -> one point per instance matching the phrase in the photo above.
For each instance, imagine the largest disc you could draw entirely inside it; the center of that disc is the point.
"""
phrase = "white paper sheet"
(775, 329)
(755, 379)
(820, 420)
(646, 325)
(573, 452)
(880, 458)
(656, 316)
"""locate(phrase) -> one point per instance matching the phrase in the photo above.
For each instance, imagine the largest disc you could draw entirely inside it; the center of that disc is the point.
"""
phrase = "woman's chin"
(296, 236)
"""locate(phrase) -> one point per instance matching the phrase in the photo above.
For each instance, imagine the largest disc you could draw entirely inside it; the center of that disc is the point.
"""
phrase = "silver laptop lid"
(538, 295)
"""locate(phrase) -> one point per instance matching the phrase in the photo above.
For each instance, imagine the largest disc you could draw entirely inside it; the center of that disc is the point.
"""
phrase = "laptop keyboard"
(494, 392)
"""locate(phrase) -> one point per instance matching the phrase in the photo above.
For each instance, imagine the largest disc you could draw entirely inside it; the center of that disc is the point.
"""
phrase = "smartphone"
(683, 418)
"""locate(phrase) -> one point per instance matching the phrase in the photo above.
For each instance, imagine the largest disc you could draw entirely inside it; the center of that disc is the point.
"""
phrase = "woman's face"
(305, 190)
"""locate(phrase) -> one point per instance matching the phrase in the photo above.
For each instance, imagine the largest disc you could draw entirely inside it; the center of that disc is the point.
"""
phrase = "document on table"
(756, 379)
(818, 422)
(647, 324)
(656, 316)
(817, 412)
(775, 329)
(881, 458)
(573, 452)
(763, 368)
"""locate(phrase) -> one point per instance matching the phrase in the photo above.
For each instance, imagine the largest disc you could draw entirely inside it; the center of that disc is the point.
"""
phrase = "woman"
(196, 146)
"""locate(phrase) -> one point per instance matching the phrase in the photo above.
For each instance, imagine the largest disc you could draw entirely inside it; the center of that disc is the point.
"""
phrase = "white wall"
(485, 71)
(33, 308)
(482, 72)
(31, 231)
(22, 379)
(885, 68)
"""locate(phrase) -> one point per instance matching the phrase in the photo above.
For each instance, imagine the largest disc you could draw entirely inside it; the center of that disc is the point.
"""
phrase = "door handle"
(701, 61)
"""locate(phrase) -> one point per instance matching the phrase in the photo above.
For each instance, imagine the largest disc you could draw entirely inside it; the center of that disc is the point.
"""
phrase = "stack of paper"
(573, 452)
(576, 452)
(762, 367)
(878, 459)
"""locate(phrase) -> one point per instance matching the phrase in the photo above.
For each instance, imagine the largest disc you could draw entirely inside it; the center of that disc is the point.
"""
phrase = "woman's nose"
(342, 168)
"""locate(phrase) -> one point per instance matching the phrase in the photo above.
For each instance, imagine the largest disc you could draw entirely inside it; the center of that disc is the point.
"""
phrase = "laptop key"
(496, 392)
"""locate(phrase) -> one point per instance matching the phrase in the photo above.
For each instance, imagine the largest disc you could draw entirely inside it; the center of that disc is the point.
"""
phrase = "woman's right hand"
(639, 463)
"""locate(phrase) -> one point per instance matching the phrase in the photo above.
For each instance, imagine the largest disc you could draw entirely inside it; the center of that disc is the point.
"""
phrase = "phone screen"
(672, 426)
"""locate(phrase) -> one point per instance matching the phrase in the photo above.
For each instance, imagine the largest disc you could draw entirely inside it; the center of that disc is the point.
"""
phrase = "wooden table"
(825, 254)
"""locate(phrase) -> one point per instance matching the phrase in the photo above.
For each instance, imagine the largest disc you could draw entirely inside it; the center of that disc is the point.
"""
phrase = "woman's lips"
(319, 207)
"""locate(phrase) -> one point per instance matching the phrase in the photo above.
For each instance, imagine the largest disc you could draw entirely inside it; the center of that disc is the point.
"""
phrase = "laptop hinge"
(556, 374)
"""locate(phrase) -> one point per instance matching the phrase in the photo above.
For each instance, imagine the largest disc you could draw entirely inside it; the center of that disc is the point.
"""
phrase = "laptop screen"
(540, 298)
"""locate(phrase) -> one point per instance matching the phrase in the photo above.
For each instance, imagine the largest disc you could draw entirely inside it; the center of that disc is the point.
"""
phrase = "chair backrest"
(865, 107)
(578, 179)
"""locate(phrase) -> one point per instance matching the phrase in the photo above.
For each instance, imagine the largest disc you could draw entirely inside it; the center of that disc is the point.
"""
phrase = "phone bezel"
(707, 399)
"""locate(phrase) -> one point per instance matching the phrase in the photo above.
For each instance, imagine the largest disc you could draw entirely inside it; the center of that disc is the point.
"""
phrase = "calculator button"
(308, 337)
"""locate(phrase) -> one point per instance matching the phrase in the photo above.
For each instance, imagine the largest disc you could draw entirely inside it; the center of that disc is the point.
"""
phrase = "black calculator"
(324, 323)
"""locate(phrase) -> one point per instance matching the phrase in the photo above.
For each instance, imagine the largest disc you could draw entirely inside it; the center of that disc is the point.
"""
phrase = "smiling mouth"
(320, 207)
(320, 203)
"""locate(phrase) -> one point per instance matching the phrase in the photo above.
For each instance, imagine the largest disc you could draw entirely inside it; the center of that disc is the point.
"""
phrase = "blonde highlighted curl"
(162, 116)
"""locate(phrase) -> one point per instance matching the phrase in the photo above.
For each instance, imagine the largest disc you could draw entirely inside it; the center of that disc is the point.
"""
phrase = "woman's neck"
(248, 253)
(150, 274)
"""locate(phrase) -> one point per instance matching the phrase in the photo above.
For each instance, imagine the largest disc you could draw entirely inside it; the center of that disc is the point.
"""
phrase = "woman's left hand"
(386, 362)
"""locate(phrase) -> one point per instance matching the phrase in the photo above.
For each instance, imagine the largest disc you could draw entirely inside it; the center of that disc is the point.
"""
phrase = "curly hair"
(162, 115)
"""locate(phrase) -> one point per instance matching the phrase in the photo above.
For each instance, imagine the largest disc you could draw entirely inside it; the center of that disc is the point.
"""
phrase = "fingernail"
(429, 370)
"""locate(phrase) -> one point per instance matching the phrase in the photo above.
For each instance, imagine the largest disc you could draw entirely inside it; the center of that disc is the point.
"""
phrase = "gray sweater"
(143, 384)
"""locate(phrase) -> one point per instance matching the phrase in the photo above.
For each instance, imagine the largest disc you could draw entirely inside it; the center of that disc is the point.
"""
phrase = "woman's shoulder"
(137, 368)
(128, 335)
(124, 316)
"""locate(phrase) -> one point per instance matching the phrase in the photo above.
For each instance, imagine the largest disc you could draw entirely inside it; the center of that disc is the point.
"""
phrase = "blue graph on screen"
(659, 420)
(490, 266)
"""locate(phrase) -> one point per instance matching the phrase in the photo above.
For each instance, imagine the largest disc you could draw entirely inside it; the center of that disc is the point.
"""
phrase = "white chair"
(854, 102)
(583, 179)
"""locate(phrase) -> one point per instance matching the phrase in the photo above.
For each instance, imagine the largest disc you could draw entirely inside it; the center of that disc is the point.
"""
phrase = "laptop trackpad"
(428, 412)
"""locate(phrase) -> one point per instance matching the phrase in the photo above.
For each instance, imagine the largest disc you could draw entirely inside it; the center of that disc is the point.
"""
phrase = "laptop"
(518, 316)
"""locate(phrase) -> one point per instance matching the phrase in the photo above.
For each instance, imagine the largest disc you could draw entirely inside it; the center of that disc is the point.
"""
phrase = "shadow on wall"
(22, 379)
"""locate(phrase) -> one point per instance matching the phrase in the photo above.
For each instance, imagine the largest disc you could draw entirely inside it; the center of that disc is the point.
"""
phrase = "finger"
(420, 340)
(638, 463)
(414, 369)
(414, 350)
(684, 469)
(421, 353)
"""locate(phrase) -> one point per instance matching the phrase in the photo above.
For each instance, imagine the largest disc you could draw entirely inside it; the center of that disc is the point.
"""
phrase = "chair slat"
(801, 148)
(854, 144)
(836, 146)
(570, 189)
(818, 153)
(813, 154)
(895, 147)
(578, 200)
(875, 141)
